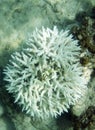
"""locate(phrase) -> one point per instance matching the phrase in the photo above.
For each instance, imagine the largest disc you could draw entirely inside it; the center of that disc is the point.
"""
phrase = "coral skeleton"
(46, 78)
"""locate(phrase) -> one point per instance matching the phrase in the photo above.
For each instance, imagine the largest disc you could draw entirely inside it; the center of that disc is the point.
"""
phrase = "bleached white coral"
(46, 77)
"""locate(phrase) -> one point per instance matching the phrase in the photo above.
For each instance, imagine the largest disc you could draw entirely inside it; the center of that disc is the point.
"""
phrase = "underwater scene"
(47, 65)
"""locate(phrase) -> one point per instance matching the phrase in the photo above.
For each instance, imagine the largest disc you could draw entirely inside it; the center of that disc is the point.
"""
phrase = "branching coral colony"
(46, 77)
